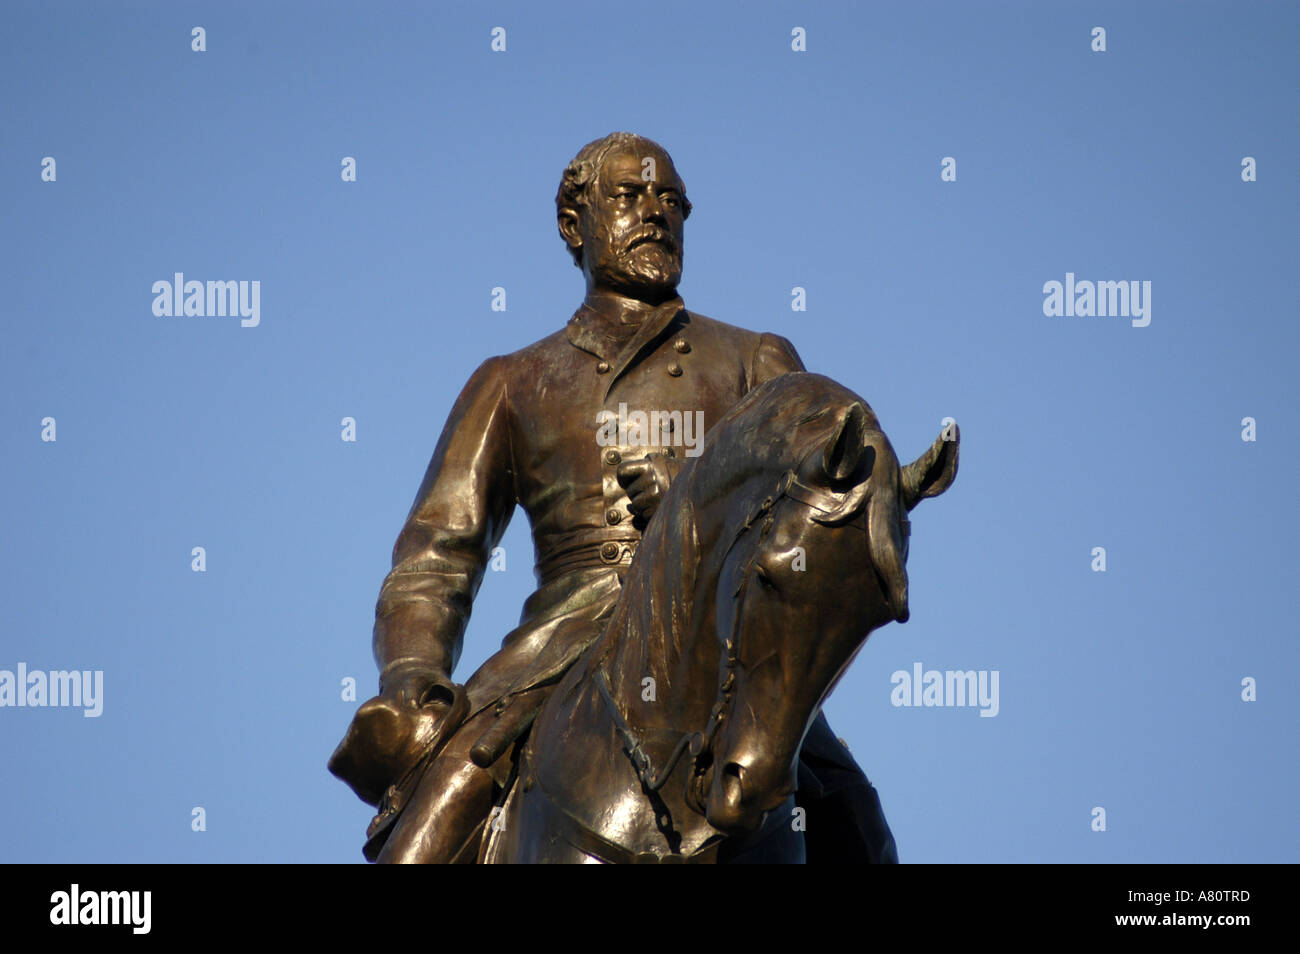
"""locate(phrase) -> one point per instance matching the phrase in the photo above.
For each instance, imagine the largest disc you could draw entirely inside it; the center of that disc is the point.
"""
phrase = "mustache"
(650, 233)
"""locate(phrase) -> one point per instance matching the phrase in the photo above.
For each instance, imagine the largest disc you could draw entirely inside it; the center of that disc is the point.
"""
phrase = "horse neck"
(664, 631)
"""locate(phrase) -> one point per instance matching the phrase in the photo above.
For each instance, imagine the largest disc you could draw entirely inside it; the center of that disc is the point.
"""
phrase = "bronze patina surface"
(587, 429)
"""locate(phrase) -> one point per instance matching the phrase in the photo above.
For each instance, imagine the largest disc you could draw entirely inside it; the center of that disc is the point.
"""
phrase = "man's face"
(632, 225)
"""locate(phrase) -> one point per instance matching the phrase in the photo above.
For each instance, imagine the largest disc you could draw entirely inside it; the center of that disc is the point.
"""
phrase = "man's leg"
(447, 809)
(844, 817)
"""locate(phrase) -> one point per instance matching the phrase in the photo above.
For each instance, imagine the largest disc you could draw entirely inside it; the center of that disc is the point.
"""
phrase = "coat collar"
(596, 333)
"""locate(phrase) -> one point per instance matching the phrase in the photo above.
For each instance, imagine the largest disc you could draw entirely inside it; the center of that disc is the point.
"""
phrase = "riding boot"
(445, 814)
(845, 821)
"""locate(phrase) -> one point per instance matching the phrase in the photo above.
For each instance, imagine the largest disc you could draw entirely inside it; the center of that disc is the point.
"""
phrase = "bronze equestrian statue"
(549, 428)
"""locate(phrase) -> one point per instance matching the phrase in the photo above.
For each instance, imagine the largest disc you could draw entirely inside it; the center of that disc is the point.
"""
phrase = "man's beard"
(649, 266)
(648, 269)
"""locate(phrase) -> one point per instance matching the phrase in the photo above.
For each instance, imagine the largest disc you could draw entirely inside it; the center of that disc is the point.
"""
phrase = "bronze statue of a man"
(547, 428)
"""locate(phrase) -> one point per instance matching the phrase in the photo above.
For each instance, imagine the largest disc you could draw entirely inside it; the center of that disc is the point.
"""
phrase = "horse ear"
(934, 471)
(847, 442)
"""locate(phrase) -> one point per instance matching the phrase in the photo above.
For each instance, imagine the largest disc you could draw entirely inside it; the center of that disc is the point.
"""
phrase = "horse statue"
(776, 552)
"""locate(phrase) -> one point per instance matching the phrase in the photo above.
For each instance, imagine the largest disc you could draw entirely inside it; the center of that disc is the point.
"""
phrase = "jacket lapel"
(586, 330)
(645, 336)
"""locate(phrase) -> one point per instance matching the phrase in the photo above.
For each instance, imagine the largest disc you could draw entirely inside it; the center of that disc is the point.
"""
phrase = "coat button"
(609, 552)
(613, 516)
(675, 369)
(602, 367)
(612, 457)
(682, 345)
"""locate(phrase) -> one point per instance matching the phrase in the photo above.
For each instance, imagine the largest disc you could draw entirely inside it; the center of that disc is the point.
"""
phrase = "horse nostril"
(733, 782)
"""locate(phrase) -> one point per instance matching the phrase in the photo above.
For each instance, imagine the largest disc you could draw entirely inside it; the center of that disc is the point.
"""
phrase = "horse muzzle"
(738, 802)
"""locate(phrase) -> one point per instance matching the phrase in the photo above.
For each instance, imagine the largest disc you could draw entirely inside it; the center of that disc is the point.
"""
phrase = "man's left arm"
(773, 357)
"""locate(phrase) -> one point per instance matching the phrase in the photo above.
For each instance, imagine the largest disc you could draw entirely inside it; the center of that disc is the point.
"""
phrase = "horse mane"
(642, 627)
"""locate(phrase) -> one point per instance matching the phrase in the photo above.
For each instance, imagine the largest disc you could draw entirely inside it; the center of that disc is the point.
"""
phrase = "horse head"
(817, 561)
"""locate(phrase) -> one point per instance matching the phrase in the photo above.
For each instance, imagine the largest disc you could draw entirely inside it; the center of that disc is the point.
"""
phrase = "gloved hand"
(417, 684)
(646, 482)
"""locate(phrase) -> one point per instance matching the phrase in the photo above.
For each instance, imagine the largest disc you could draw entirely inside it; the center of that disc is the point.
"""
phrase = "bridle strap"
(636, 751)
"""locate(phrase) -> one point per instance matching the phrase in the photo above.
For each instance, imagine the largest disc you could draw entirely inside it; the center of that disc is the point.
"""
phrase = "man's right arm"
(460, 513)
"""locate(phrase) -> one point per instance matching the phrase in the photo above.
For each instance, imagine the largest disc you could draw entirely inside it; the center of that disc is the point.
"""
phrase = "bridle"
(838, 510)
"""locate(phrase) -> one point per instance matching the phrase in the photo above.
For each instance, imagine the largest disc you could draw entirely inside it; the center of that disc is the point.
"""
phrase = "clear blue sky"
(818, 169)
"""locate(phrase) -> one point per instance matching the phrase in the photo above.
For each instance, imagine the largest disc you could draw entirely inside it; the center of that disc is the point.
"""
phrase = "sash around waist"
(596, 547)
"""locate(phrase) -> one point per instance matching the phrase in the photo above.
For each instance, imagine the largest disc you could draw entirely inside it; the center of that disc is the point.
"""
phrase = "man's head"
(620, 209)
